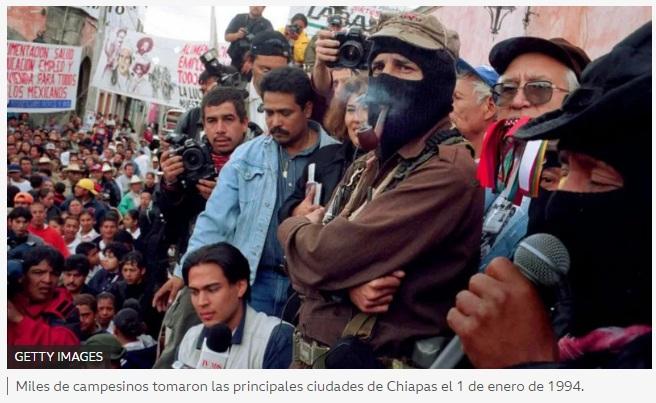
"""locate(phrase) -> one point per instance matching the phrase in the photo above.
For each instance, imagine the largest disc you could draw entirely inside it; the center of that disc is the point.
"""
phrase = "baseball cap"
(86, 183)
(485, 73)
(423, 31)
(504, 52)
(270, 43)
(107, 168)
(44, 160)
(96, 167)
(23, 197)
(50, 146)
(13, 168)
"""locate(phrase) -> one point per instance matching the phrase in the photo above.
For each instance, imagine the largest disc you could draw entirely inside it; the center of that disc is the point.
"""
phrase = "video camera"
(229, 76)
(354, 48)
(196, 158)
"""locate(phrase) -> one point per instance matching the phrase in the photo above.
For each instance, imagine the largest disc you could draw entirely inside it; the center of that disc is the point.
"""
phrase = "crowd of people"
(345, 218)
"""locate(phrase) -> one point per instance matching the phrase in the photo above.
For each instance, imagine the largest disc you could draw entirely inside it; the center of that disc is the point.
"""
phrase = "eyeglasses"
(536, 92)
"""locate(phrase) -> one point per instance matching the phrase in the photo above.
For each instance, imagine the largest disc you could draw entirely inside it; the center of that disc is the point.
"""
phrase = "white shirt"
(71, 246)
(89, 236)
(24, 186)
(254, 101)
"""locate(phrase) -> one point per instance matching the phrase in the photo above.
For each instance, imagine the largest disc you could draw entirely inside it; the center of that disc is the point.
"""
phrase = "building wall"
(595, 29)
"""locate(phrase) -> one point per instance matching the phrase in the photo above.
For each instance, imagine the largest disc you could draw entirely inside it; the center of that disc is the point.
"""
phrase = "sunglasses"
(536, 92)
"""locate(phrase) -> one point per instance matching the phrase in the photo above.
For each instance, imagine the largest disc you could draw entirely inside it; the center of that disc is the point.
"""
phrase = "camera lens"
(192, 159)
(350, 54)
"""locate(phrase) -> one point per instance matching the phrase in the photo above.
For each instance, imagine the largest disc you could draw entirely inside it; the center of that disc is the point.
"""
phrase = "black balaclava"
(608, 236)
(415, 106)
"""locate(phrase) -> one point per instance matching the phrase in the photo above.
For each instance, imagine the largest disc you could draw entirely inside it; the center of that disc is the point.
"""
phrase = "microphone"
(214, 352)
(541, 258)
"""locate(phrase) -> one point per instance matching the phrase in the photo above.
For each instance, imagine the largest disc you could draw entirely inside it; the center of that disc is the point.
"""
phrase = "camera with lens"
(354, 48)
(196, 158)
(293, 28)
(228, 75)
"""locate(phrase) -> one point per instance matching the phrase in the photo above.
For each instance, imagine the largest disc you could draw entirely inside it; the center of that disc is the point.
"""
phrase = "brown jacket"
(429, 225)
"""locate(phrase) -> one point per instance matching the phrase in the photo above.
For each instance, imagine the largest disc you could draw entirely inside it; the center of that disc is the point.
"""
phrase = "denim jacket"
(242, 203)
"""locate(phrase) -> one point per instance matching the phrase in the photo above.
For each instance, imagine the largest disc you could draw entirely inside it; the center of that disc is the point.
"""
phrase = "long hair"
(334, 119)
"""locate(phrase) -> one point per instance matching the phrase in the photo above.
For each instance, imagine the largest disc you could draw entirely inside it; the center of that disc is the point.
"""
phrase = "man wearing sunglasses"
(536, 75)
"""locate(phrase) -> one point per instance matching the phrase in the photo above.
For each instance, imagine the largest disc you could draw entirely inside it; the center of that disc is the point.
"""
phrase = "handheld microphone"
(542, 259)
(217, 341)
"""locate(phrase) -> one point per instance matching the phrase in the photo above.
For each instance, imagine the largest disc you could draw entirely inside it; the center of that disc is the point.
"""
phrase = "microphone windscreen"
(543, 259)
(219, 338)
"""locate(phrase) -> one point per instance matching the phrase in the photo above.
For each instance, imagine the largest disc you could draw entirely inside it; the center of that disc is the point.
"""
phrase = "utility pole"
(92, 95)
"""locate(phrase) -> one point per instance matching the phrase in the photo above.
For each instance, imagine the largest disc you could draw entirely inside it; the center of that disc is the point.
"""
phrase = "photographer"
(191, 123)
(240, 34)
(298, 39)
(225, 124)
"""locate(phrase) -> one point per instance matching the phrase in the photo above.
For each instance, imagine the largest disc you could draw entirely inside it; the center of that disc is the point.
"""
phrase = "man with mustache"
(251, 186)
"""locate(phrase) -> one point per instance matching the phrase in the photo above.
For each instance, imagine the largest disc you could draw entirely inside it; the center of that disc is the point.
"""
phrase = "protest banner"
(153, 69)
(363, 17)
(41, 78)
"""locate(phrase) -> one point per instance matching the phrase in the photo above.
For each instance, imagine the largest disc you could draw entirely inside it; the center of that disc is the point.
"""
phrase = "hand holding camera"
(172, 167)
(187, 161)
(327, 48)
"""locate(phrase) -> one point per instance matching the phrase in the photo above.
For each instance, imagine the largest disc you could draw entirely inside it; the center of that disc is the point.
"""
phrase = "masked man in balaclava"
(402, 230)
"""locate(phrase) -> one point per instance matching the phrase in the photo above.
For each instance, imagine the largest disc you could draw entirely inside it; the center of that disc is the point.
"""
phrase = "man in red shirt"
(39, 228)
(37, 313)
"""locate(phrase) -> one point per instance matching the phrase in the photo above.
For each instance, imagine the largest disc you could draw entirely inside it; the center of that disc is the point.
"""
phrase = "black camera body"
(196, 159)
(229, 76)
(354, 48)
(293, 28)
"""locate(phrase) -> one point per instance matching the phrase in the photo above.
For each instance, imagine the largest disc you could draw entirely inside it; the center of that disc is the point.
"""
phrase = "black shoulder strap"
(431, 148)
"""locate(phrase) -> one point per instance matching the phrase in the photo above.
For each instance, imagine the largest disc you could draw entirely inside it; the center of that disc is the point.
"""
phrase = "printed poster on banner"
(42, 78)
(153, 69)
(363, 17)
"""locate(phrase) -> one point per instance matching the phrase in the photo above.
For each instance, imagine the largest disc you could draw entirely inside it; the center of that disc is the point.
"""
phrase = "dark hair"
(129, 323)
(42, 253)
(78, 262)
(300, 16)
(219, 95)
(28, 159)
(12, 191)
(60, 187)
(85, 247)
(88, 212)
(43, 193)
(288, 80)
(125, 238)
(233, 263)
(133, 257)
(36, 181)
(109, 216)
(56, 219)
(206, 75)
(107, 295)
(20, 212)
(71, 217)
(86, 299)
(133, 213)
(118, 249)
